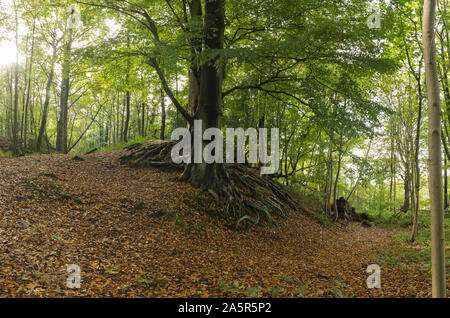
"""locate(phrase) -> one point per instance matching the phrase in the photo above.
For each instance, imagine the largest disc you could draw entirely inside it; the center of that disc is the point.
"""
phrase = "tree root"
(155, 154)
(243, 194)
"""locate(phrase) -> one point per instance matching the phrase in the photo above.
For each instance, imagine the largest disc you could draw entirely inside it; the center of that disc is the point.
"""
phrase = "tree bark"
(16, 89)
(27, 103)
(405, 206)
(434, 152)
(163, 116)
(45, 109)
(210, 94)
(127, 117)
(61, 135)
(445, 184)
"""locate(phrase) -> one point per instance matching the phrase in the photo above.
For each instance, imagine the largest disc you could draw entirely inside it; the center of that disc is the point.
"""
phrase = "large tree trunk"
(210, 94)
(434, 151)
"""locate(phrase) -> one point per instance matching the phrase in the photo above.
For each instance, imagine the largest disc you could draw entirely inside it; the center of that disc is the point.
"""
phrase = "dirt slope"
(139, 232)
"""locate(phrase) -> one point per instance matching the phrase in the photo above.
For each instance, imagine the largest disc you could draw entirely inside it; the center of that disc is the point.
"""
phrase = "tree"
(434, 150)
(210, 92)
(61, 138)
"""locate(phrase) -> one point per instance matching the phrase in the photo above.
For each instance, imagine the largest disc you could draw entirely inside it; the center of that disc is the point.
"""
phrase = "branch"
(152, 62)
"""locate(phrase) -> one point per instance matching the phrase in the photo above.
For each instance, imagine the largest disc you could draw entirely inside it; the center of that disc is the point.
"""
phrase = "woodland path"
(137, 232)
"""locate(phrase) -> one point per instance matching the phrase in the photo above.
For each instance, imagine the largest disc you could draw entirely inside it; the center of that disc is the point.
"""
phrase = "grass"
(412, 253)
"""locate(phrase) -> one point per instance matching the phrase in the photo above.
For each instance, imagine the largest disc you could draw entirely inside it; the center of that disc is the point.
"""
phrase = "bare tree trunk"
(163, 116)
(328, 205)
(434, 152)
(127, 118)
(61, 136)
(45, 109)
(143, 121)
(196, 13)
(27, 103)
(337, 175)
(405, 206)
(445, 184)
(210, 97)
(416, 167)
(16, 90)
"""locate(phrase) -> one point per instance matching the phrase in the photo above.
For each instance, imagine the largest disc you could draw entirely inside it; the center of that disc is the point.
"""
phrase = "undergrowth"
(417, 253)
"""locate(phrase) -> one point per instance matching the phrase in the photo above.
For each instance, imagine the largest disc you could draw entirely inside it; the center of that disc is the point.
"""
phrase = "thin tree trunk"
(337, 175)
(163, 116)
(127, 118)
(46, 101)
(27, 103)
(61, 136)
(434, 152)
(144, 133)
(16, 89)
(445, 184)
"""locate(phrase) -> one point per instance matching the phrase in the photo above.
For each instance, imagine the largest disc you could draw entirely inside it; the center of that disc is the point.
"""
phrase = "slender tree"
(434, 151)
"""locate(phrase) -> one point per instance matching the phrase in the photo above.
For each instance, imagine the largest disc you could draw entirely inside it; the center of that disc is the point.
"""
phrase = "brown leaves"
(137, 232)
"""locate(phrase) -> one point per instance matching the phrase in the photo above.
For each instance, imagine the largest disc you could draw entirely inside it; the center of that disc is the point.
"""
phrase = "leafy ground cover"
(138, 232)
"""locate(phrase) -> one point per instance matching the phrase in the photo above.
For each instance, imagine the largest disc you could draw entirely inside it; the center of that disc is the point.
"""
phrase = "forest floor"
(138, 232)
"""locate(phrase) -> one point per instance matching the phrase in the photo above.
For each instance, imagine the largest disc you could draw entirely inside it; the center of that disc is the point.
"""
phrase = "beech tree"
(434, 150)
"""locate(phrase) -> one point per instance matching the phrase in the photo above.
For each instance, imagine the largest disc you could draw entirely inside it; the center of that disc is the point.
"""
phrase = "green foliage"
(417, 253)
(7, 154)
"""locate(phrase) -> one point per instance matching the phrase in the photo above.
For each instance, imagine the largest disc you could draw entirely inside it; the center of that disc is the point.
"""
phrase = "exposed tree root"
(156, 153)
(244, 195)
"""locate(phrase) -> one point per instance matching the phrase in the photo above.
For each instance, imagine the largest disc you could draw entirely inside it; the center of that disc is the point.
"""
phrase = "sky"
(8, 47)
(7, 52)
(7, 44)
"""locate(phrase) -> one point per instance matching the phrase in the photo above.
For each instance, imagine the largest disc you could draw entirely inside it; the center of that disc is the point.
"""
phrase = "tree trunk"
(61, 135)
(27, 103)
(210, 97)
(127, 118)
(337, 173)
(445, 184)
(434, 152)
(405, 206)
(45, 109)
(329, 183)
(196, 12)
(16, 90)
(143, 121)
(163, 116)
